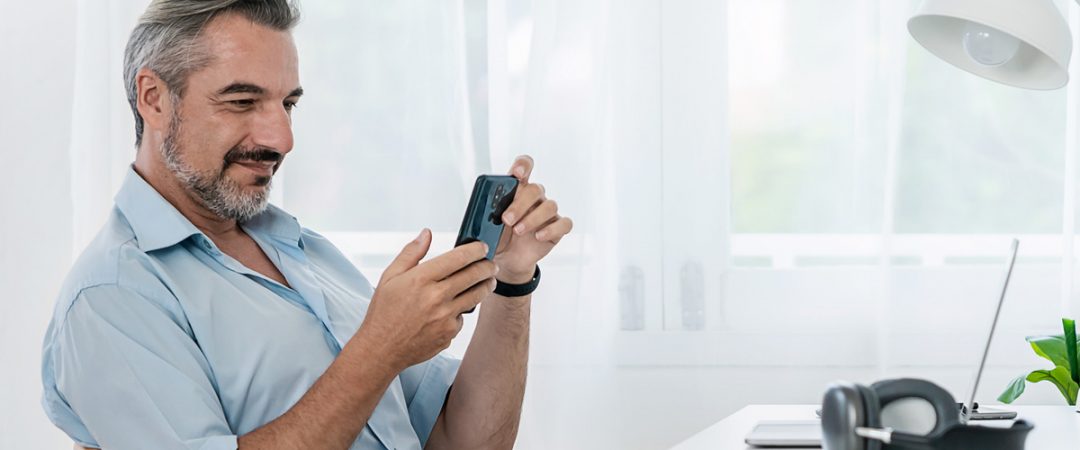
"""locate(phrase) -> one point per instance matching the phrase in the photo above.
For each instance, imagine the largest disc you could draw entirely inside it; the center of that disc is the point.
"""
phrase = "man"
(202, 318)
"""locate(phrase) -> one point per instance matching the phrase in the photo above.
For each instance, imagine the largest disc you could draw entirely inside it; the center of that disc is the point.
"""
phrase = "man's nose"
(274, 130)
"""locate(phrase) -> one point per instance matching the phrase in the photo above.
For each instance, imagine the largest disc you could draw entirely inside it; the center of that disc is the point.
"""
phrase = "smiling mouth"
(266, 168)
(261, 162)
(262, 170)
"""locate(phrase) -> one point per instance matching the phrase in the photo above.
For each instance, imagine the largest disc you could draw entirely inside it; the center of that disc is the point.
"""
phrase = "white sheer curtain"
(35, 225)
(768, 194)
(772, 195)
(102, 128)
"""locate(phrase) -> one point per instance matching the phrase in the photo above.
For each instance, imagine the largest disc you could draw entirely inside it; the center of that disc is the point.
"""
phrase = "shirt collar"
(158, 224)
(274, 221)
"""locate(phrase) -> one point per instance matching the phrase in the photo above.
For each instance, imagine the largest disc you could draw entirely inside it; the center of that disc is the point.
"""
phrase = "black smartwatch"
(518, 290)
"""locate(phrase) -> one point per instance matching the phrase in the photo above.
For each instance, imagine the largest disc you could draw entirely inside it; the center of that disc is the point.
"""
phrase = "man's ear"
(151, 99)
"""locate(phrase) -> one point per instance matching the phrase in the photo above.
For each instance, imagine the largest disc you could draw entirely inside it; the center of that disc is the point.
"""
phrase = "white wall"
(36, 49)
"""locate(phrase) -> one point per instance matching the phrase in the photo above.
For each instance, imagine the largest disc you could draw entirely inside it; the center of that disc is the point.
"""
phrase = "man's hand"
(533, 227)
(416, 309)
(415, 312)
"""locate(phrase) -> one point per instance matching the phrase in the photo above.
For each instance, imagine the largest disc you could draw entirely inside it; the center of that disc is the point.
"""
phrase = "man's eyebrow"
(242, 88)
(296, 92)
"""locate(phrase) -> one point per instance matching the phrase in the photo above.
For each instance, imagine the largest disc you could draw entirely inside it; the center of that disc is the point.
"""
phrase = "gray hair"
(166, 40)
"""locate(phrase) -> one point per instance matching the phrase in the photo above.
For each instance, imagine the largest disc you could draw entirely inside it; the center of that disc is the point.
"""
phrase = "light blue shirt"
(160, 340)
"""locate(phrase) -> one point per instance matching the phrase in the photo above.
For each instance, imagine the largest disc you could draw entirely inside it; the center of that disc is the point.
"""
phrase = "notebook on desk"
(786, 434)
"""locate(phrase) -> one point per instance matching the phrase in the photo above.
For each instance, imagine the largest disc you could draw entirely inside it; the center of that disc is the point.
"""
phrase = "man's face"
(233, 128)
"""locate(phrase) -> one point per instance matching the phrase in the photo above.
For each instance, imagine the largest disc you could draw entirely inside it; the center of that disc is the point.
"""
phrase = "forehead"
(243, 50)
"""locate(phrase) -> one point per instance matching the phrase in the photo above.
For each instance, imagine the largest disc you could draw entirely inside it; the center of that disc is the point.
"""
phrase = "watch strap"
(518, 290)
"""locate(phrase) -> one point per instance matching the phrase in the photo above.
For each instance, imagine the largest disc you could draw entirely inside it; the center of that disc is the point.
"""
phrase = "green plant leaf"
(1070, 349)
(1016, 387)
(1052, 348)
(1061, 379)
(1071, 387)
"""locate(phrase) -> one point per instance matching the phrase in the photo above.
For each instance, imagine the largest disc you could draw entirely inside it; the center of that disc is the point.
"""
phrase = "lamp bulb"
(988, 46)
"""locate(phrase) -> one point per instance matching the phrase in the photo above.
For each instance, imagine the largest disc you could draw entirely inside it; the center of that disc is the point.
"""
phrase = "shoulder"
(99, 263)
(114, 263)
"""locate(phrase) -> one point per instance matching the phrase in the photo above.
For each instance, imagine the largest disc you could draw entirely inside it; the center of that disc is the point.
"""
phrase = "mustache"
(237, 154)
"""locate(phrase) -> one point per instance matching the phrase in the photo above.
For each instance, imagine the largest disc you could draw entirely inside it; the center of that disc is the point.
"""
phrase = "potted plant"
(1060, 350)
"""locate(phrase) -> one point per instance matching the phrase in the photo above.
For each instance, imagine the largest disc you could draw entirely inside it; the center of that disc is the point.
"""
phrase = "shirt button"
(209, 247)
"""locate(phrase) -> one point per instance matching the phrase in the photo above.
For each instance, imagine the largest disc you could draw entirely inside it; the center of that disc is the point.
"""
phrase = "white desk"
(1056, 427)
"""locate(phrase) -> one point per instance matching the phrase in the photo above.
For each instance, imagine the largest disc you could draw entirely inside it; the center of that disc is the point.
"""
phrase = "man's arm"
(415, 312)
(119, 347)
(483, 408)
(336, 408)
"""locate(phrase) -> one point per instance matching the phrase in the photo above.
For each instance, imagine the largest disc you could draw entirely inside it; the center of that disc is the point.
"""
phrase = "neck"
(150, 165)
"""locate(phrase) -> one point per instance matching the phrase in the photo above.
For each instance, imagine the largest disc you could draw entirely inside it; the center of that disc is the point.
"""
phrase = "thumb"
(409, 257)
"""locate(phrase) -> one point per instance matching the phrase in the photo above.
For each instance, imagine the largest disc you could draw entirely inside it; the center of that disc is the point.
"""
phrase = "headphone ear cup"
(871, 414)
(915, 406)
(842, 410)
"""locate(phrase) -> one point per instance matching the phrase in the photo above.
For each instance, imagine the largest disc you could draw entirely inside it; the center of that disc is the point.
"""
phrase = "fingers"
(465, 278)
(452, 261)
(410, 256)
(522, 168)
(543, 214)
(555, 231)
(468, 300)
(525, 199)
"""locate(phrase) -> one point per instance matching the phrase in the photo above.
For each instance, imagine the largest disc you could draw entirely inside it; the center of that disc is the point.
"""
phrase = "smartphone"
(491, 195)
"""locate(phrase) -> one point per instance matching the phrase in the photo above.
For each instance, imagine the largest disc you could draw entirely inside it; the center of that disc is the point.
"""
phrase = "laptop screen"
(970, 405)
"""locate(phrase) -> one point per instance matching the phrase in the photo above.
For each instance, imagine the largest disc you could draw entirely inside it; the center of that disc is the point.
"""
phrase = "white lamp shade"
(1040, 62)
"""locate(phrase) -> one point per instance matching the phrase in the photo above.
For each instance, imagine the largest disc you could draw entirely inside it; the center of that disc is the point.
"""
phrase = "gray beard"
(217, 192)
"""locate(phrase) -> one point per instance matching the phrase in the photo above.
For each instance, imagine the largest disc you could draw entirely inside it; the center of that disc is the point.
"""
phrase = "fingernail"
(486, 248)
(520, 228)
(508, 218)
(496, 269)
(419, 236)
(539, 235)
(520, 171)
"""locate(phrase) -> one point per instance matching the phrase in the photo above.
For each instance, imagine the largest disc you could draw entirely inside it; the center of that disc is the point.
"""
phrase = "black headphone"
(907, 414)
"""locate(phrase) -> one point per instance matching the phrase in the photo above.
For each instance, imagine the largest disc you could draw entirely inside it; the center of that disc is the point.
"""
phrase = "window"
(732, 167)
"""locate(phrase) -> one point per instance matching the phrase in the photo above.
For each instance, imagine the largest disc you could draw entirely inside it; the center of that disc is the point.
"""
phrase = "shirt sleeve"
(425, 386)
(134, 378)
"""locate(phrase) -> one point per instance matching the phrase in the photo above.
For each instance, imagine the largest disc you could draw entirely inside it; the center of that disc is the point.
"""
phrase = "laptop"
(807, 433)
(971, 410)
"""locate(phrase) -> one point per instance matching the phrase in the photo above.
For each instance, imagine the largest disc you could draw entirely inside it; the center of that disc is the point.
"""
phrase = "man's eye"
(289, 106)
(243, 103)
